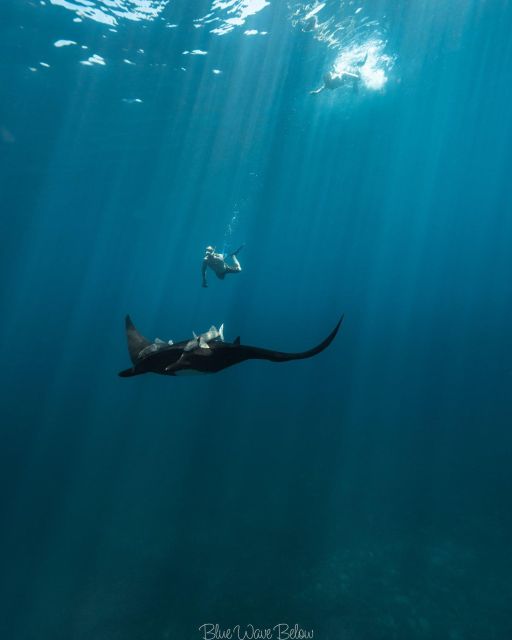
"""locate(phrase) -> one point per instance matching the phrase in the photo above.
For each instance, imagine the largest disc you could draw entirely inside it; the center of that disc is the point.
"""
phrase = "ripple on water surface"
(111, 11)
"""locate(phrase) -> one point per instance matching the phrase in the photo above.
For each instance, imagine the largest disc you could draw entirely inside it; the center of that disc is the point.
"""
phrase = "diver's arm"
(203, 271)
(315, 91)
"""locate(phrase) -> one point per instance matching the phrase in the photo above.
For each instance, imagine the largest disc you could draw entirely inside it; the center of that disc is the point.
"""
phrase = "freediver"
(336, 79)
(217, 263)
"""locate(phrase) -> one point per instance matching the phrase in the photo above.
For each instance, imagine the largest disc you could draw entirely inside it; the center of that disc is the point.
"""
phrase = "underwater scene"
(310, 204)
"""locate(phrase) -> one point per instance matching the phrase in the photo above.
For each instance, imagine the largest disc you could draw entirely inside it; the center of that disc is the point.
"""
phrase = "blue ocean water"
(363, 494)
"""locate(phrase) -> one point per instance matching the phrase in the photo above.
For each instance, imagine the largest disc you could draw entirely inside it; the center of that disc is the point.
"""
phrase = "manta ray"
(207, 353)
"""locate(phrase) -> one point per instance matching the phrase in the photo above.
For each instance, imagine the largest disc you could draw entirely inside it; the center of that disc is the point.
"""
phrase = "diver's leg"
(236, 265)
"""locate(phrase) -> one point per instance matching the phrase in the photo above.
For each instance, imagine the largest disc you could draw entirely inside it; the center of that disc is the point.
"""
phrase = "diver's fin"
(234, 253)
(136, 342)
(236, 340)
(194, 334)
(221, 332)
(159, 341)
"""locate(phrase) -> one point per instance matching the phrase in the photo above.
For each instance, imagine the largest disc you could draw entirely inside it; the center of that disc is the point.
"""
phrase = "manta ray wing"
(136, 341)
(191, 357)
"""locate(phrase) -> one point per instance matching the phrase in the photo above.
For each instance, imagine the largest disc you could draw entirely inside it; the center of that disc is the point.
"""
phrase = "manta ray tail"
(136, 342)
(278, 356)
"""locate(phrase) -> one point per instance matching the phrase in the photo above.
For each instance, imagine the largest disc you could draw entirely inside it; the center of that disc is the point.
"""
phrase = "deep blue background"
(365, 493)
